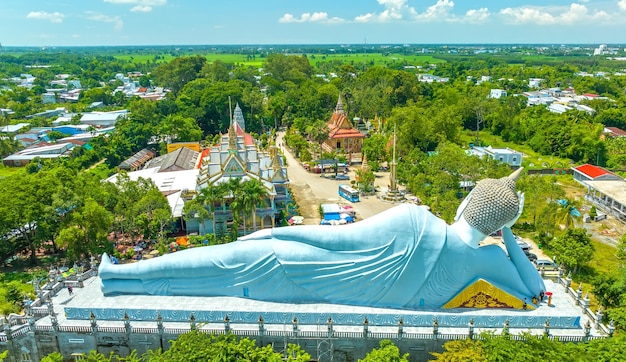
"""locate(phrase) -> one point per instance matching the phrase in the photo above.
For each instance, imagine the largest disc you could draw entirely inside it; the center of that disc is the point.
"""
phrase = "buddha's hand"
(520, 197)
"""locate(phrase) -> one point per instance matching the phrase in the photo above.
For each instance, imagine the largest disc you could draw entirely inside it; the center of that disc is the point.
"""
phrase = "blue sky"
(163, 22)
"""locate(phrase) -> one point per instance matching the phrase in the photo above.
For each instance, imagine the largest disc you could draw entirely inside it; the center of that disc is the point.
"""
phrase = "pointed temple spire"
(238, 117)
(339, 108)
(364, 165)
(275, 159)
(232, 136)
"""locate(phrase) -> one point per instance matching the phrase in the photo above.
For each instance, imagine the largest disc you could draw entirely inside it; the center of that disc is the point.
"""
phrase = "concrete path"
(311, 190)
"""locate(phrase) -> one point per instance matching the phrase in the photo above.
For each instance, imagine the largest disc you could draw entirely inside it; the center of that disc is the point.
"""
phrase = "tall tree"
(180, 71)
(574, 248)
(249, 194)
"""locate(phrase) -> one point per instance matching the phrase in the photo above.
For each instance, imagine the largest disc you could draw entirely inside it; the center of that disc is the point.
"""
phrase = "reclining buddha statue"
(404, 258)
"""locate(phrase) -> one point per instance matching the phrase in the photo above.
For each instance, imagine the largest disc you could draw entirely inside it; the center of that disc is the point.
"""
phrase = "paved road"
(311, 190)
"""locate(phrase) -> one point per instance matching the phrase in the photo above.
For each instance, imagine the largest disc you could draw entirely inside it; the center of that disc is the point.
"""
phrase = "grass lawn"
(7, 171)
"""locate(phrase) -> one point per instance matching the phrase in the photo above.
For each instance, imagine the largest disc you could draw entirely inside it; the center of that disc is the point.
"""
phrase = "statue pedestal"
(393, 196)
(563, 314)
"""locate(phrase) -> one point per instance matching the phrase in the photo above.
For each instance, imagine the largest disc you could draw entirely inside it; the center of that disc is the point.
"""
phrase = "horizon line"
(315, 44)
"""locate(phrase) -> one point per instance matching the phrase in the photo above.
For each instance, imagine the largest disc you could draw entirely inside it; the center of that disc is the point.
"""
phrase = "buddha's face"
(491, 205)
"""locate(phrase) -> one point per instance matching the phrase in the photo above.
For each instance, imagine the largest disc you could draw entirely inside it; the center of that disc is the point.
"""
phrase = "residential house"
(103, 119)
(13, 129)
(137, 160)
(535, 82)
(506, 155)
(48, 114)
(25, 156)
(614, 132)
(182, 158)
(497, 93)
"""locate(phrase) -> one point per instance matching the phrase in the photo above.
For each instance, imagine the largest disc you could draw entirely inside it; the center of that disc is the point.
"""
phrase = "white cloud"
(140, 5)
(55, 17)
(141, 8)
(477, 16)
(319, 17)
(116, 20)
(545, 15)
(394, 10)
(439, 11)
(622, 4)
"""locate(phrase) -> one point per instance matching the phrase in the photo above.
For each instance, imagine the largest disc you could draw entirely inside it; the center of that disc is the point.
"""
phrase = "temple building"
(237, 156)
(342, 136)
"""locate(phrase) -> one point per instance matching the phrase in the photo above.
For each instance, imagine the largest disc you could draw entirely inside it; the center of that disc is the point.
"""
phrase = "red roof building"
(614, 132)
(589, 172)
(342, 136)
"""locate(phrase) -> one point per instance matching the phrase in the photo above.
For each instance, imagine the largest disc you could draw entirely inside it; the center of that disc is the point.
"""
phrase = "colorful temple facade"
(238, 157)
(342, 136)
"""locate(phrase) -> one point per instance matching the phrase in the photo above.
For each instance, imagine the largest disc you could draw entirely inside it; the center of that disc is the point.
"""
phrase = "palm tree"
(208, 197)
(567, 213)
(232, 192)
(253, 192)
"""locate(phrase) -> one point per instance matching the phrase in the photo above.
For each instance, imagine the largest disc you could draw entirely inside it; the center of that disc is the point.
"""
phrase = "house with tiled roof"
(614, 132)
(342, 136)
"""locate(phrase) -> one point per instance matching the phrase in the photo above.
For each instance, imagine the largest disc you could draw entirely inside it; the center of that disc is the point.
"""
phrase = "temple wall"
(344, 346)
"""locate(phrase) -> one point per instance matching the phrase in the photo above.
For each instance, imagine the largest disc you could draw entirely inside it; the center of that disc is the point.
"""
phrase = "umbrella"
(548, 293)
(183, 241)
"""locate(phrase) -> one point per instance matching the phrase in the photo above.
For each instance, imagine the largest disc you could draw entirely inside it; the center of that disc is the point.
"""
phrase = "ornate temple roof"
(237, 156)
(340, 126)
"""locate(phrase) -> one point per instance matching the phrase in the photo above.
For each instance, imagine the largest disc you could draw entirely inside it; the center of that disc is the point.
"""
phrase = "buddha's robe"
(404, 257)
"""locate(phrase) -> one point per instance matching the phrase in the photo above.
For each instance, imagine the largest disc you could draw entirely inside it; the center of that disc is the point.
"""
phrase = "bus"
(348, 193)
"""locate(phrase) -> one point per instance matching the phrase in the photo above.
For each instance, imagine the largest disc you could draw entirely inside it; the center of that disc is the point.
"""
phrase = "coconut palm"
(236, 206)
(253, 192)
(566, 215)
(206, 200)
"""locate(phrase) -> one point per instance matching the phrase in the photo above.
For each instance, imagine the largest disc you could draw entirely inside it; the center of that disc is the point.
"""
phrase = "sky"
(182, 22)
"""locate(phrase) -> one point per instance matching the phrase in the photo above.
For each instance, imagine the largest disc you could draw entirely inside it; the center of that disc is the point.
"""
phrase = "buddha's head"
(492, 204)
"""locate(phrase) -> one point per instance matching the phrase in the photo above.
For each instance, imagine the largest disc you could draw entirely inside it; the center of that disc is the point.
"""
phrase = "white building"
(497, 93)
(103, 119)
(506, 155)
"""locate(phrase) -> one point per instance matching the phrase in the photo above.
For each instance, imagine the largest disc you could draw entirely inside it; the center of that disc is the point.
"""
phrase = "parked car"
(546, 264)
(342, 177)
(524, 246)
(532, 257)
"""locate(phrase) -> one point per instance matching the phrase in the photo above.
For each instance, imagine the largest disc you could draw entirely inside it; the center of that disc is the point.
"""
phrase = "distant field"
(376, 58)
